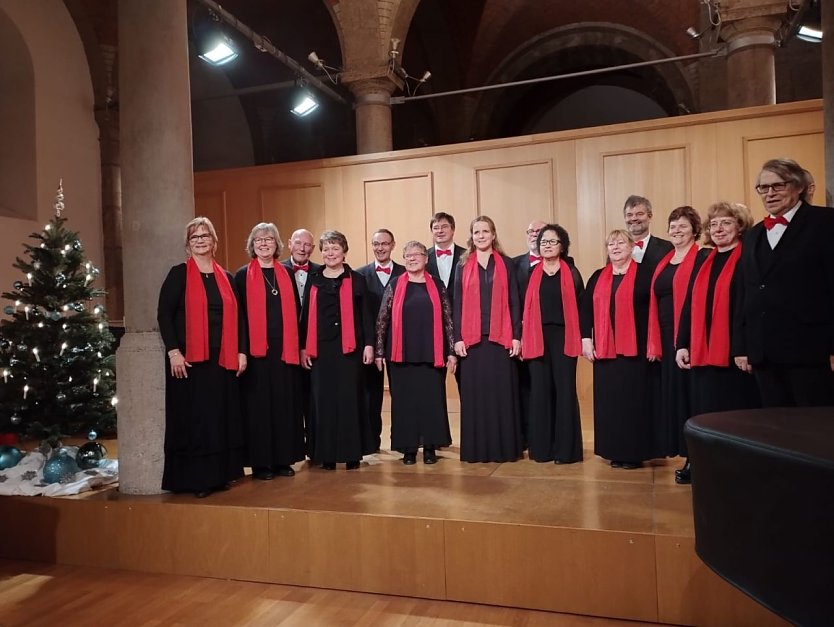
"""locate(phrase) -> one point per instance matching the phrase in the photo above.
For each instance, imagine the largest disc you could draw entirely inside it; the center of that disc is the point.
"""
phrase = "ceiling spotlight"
(694, 33)
(806, 33)
(213, 45)
(315, 60)
(305, 104)
(426, 76)
(394, 45)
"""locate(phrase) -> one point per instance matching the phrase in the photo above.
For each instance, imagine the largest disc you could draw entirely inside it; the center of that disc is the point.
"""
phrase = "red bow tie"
(385, 270)
(440, 252)
(639, 243)
(296, 267)
(771, 221)
(534, 259)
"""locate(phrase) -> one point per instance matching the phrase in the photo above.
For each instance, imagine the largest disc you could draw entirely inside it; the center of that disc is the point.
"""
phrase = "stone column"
(157, 201)
(749, 27)
(828, 99)
(372, 110)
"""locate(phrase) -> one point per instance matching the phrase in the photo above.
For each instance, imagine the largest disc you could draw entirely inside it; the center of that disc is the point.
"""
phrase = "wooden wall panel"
(213, 206)
(563, 570)
(514, 195)
(404, 206)
(293, 208)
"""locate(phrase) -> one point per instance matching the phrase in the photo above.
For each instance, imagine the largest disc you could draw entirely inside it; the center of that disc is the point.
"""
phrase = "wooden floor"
(33, 594)
(582, 539)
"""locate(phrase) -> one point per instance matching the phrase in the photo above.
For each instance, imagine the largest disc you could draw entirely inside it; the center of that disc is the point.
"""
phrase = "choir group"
(284, 360)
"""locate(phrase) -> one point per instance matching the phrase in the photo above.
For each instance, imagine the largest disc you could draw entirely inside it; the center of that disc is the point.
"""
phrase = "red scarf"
(680, 284)
(256, 312)
(346, 311)
(196, 317)
(532, 338)
(397, 320)
(622, 339)
(500, 324)
(715, 350)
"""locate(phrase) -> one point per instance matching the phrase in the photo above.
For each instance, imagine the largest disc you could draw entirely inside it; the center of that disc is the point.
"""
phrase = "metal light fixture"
(213, 45)
(305, 103)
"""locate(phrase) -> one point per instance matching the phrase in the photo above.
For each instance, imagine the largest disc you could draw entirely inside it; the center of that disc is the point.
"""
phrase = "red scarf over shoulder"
(715, 350)
(196, 317)
(622, 338)
(256, 312)
(346, 314)
(397, 320)
(500, 323)
(680, 284)
(532, 337)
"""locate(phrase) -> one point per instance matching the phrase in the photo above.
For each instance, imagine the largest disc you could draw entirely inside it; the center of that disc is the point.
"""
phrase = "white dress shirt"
(444, 264)
(637, 252)
(384, 277)
(776, 232)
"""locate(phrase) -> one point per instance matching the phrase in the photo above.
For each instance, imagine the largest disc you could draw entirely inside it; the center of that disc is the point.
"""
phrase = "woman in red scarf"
(671, 280)
(704, 337)
(203, 335)
(613, 316)
(414, 335)
(272, 400)
(336, 337)
(551, 344)
(487, 321)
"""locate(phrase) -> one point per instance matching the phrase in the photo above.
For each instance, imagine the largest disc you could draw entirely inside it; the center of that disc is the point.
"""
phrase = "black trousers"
(795, 386)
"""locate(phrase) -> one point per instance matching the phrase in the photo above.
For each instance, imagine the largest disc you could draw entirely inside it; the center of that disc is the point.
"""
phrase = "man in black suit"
(377, 274)
(299, 264)
(524, 263)
(445, 254)
(300, 267)
(784, 328)
(648, 249)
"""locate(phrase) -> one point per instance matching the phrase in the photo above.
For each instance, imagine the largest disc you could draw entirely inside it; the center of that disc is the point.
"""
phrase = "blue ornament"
(55, 315)
(8, 310)
(9, 456)
(60, 468)
(92, 435)
(90, 455)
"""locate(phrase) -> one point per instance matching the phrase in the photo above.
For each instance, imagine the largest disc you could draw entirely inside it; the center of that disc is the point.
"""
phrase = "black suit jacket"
(375, 287)
(287, 263)
(656, 250)
(786, 313)
(522, 272)
(431, 266)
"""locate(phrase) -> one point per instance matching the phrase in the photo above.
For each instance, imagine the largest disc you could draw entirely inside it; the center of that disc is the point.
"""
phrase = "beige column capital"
(751, 23)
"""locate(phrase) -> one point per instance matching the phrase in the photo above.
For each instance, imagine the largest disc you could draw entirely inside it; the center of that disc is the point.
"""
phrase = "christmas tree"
(56, 349)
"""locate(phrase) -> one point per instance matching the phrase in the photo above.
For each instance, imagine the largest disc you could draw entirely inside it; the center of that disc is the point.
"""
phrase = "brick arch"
(578, 47)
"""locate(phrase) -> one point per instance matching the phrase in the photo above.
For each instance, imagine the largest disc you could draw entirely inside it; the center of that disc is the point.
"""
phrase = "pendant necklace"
(274, 289)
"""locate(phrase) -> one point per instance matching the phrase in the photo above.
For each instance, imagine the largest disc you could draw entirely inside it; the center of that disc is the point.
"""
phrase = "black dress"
(339, 430)
(490, 424)
(418, 388)
(716, 388)
(554, 427)
(622, 398)
(271, 389)
(203, 435)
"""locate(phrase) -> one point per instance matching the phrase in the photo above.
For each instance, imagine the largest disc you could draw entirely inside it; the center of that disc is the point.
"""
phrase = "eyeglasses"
(549, 242)
(413, 256)
(776, 187)
(264, 240)
(726, 223)
(533, 231)
(199, 237)
(382, 244)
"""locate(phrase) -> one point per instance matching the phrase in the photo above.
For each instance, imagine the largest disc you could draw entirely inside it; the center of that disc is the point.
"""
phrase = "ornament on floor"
(10, 456)
(60, 468)
(90, 455)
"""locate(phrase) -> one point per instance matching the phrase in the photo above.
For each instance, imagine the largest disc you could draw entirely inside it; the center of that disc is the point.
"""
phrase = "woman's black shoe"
(683, 475)
(352, 465)
(429, 456)
(615, 464)
(410, 459)
(631, 465)
(284, 471)
(263, 474)
(201, 494)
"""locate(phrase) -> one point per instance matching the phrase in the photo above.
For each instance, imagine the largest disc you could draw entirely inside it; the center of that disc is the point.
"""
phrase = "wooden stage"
(583, 538)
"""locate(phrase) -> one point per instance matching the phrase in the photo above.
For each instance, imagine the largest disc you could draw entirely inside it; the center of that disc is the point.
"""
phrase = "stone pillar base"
(140, 364)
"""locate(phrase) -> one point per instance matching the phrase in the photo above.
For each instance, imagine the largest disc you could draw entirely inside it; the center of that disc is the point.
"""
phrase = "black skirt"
(339, 427)
(418, 407)
(490, 428)
(203, 435)
(273, 423)
(622, 409)
(723, 389)
(554, 428)
(672, 392)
